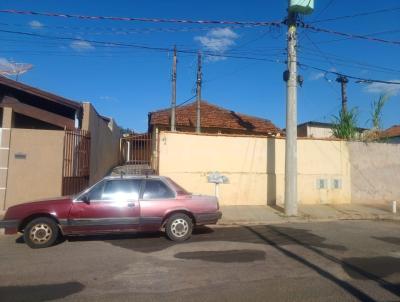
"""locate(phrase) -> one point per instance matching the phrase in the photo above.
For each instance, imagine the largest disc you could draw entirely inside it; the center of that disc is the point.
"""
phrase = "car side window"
(121, 189)
(96, 191)
(156, 189)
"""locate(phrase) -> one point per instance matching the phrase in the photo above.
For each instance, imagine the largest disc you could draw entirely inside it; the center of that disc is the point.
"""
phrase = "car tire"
(179, 227)
(41, 232)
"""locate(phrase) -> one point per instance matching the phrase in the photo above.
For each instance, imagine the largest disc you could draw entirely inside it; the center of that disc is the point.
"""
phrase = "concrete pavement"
(272, 215)
(313, 261)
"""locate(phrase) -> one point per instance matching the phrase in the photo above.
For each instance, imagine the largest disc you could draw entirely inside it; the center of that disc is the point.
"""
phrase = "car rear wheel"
(179, 227)
(41, 232)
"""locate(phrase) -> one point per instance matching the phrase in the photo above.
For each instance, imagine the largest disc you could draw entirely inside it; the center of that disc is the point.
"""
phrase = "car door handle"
(131, 204)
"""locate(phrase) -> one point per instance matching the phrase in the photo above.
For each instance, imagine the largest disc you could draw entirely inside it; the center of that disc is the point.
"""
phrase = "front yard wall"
(375, 172)
(104, 143)
(254, 166)
(35, 165)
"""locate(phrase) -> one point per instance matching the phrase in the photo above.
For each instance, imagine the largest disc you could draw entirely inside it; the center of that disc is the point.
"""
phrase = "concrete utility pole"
(343, 81)
(173, 98)
(291, 120)
(198, 93)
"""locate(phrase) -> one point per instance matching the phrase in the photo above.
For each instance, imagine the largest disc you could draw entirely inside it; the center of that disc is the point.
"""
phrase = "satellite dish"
(8, 68)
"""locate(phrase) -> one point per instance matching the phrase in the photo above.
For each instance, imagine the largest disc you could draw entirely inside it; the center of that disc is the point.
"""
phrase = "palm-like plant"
(376, 113)
(345, 124)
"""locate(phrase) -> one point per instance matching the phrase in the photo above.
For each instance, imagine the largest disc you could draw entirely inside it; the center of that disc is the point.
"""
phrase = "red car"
(114, 204)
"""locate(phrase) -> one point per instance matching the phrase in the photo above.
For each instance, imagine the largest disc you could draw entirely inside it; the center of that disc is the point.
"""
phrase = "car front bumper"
(10, 226)
(208, 218)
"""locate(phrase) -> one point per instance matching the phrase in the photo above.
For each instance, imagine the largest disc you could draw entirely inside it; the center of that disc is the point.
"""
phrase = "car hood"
(59, 207)
(50, 201)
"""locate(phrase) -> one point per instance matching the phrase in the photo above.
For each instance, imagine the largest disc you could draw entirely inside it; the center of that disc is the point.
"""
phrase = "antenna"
(9, 68)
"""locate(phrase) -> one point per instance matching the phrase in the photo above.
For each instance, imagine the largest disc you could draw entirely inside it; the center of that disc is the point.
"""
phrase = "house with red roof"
(213, 119)
(140, 150)
(391, 135)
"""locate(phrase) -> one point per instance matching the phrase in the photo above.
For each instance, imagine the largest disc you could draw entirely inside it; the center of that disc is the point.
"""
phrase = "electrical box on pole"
(304, 7)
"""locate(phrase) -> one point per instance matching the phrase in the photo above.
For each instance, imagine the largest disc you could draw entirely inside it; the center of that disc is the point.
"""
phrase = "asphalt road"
(329, 261)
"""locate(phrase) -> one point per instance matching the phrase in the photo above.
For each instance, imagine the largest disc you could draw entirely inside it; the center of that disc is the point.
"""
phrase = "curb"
(308, 220)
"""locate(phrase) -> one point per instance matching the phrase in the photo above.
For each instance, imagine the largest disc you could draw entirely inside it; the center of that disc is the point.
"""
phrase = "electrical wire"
(163, 49)
(188, 21)
(347, 61)
(358, 15)
(152, 20)
(113, 30)
(348, 35)
(324, 9)
(326, 58)
(187, 51)
(184, 102)
(364, 80)
(367, 35)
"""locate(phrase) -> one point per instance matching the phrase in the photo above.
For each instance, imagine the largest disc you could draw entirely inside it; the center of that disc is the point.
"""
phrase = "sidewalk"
(233, 215)
(274, 215)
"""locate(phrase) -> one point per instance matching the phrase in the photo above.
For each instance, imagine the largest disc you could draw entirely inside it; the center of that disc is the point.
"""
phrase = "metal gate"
(136, 150)
(76, 161)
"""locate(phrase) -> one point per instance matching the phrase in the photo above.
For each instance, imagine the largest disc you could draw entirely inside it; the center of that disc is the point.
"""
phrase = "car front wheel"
(179, 227)
(40, 233)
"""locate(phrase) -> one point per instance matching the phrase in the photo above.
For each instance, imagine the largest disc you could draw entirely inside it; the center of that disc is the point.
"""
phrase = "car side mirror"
(84, 198)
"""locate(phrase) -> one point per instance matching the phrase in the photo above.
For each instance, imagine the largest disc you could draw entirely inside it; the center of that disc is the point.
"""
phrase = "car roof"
(135, 177)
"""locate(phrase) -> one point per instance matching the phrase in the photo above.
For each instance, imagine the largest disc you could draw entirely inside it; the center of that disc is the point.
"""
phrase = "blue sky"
(127, 83)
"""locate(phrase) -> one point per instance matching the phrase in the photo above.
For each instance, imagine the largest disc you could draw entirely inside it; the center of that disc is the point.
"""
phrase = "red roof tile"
(391, 132)
(215, 117)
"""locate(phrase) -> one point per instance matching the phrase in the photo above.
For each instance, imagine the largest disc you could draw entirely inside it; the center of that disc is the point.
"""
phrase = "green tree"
(345, 124)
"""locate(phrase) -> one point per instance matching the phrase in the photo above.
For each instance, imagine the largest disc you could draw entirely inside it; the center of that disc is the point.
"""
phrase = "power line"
(325, 57)
(349, 62)
(188, 21)
(168, 49)
(358, 15)
(128, 29)
(324, 9)
(312, 57)
(348, 35)
(188, 100)
(364, 80)
(163, 49)
(367, 35)
(152, 20)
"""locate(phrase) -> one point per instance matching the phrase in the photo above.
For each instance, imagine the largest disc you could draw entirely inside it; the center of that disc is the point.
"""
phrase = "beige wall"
(39, 174)
(254, 166)
(104, 143)
(326, 160)
(375, 172)
(306, 130)
(319, 132)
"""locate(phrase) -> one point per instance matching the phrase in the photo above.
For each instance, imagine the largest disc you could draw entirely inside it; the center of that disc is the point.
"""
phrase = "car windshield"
(179, 190)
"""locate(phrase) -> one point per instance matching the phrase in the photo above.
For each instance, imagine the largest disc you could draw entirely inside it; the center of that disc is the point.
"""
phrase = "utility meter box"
(217, 178)
(304, 7)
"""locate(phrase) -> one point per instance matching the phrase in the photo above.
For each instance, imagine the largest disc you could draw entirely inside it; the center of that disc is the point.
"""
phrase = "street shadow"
(38, 293)
(355, 292)
(21, 240)
(374, 268)
(148, 243)
(392, 240)
(359, 268)
(145, 242)
(278, 208)
(229, 256)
